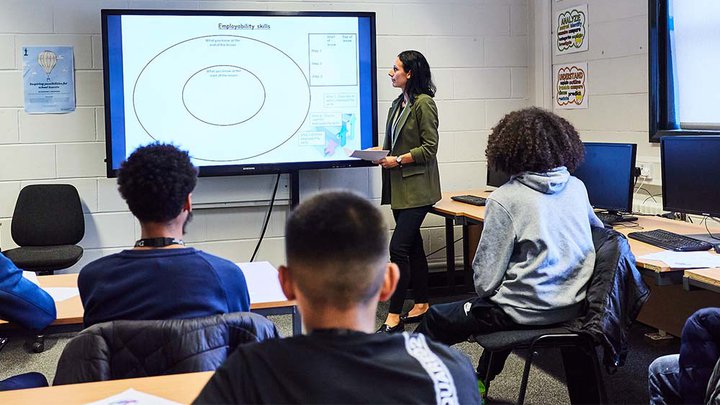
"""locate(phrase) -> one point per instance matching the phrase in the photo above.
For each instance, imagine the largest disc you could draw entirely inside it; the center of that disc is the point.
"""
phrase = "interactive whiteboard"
(243, 92)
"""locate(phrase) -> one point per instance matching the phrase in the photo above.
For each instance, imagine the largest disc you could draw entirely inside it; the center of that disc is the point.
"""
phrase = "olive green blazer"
(414, 184)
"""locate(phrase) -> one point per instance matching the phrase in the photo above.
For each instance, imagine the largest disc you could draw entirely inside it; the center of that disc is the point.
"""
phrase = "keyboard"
(611, 218)
(670, 241)
(469, 199)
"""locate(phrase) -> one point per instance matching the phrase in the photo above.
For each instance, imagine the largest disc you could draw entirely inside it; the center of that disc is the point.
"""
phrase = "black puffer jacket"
(699, 351)
(616, 293)
(127, 349)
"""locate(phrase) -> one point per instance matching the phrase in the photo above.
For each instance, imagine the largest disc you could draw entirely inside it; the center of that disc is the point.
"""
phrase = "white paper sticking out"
(31, 277)
(59, 294)
(131, 396)
(685, 260)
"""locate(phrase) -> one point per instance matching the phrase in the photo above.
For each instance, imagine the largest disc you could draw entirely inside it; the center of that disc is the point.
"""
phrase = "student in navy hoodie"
(25, 304)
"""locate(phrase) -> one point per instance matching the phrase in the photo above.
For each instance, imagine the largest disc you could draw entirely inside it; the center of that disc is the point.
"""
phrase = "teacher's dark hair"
(336, 248)
(420, 81)
(155, 180)
(534, 140)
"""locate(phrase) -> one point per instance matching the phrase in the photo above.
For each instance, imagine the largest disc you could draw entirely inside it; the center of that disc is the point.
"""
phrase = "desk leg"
(450, 254)
(296, 322)
(467, 260)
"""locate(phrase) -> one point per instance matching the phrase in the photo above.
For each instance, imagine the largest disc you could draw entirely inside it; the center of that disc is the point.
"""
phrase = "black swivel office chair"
(616, 293)
(47, 224)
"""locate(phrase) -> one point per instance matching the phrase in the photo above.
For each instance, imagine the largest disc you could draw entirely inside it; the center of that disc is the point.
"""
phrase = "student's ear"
(187, 205)
(392, 276)
(286, 282)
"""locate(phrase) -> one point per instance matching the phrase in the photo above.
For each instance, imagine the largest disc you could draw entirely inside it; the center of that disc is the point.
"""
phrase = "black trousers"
(457, 321)
(406, 250)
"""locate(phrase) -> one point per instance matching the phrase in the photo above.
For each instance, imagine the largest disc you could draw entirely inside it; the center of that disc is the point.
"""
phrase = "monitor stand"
(613, 217)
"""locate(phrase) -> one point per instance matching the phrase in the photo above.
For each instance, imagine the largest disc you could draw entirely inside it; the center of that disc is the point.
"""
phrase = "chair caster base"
(38, 346)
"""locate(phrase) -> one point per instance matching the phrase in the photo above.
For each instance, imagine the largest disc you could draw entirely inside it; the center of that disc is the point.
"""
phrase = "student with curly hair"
(536, 252)
(160, 278)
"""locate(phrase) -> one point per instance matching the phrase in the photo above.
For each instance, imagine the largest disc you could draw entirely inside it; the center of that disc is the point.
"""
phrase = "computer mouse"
(716, 247)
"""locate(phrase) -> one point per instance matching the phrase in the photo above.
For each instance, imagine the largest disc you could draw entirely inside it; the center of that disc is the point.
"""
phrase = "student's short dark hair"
(534, 140)
(336, 246)
(155, 180)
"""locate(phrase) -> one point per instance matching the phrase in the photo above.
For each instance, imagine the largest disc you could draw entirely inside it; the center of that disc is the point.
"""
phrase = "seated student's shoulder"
(98, 267)
(218, 263)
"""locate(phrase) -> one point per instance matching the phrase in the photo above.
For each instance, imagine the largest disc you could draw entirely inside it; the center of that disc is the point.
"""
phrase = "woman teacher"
(410, 181)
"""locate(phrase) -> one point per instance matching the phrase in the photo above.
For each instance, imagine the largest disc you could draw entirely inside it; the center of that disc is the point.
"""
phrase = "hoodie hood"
(550, 182)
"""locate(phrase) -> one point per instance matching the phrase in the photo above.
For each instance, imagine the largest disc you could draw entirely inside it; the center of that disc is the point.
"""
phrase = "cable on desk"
(651, 195)
(708, 229)
(267, 218)
(629, 225)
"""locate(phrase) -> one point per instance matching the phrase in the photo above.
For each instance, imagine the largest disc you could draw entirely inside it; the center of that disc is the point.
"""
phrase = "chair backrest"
(615, 295)
(47, 215)
(127, 349)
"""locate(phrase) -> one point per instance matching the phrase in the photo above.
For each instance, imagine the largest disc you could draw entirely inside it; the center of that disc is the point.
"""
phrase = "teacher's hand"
(388, 162)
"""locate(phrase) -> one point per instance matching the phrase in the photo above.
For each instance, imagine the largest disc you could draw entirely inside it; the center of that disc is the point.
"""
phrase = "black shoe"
(406, 318)
(399, 328)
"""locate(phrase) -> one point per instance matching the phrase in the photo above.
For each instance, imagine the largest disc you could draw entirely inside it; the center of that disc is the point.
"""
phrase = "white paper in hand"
(372, 155)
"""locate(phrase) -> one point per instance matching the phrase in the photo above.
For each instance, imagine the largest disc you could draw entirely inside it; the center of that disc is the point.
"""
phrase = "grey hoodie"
(536, 253)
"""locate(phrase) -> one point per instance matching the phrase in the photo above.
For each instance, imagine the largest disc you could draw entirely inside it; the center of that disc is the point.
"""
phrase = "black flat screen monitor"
(608, 173)
(496, 178)
(244, 92)
(691, 174)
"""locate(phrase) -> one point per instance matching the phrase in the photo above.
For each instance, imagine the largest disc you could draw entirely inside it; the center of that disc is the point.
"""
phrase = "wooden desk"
(706, 279)
(457, 213)
(266, 298)
(661, 273)
(69, 312)
(182, 388)
(471, 218)
(668, 306)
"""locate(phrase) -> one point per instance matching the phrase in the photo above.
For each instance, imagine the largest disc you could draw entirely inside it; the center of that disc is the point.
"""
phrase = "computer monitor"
(608, 173)
(690, 174)
(496, 178)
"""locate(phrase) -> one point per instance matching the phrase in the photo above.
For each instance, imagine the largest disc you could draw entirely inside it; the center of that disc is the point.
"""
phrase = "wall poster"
(48, 79)
(570, 86)
(571, 30)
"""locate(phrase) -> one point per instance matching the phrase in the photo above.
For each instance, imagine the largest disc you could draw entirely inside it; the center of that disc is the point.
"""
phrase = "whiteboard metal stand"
(294, 188)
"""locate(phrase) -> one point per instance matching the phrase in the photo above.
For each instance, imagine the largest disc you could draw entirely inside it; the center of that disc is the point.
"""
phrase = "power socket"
(646, 170)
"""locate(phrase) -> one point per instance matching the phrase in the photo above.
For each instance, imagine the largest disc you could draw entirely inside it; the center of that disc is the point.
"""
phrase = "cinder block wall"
(617, 59)
(478, 50)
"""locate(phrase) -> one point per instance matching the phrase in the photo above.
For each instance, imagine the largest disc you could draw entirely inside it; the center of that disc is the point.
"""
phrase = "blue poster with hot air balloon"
(49, 79)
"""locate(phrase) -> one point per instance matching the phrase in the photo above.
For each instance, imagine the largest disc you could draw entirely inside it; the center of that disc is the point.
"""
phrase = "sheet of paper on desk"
(262, 281)
(59, 294)
(131, 396)
(31, 277)
(685, 260)
(369, 154)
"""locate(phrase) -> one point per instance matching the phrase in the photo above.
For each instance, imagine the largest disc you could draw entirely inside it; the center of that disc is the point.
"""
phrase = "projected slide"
(242, 89)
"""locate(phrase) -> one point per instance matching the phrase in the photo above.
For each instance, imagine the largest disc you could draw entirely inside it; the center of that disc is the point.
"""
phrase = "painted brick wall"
(617, 83)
